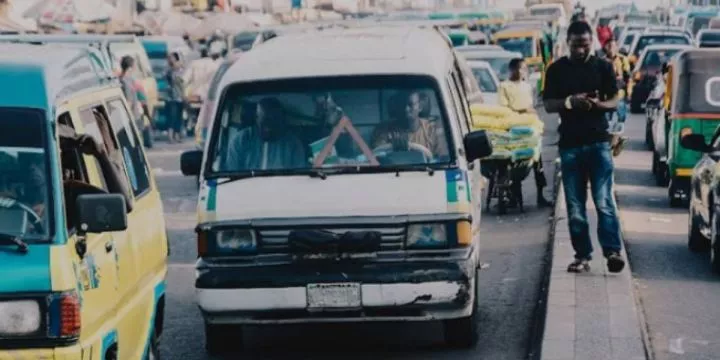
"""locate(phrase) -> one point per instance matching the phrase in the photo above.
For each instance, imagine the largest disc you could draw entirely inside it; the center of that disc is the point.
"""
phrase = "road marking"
(659, 219)
(159, 172)
(181, 266)
(675, 346)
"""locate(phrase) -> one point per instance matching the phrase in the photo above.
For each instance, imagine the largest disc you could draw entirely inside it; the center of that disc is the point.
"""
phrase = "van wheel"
(112, 353)
(154, 351)
(696, 241)
(464, 332)
(222, 339)
(715, 250)
(147, 135)
(674, 201)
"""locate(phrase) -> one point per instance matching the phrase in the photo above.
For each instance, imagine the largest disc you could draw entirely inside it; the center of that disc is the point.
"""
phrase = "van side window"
(130, 146)
(460, 104)
(97, 125)
(457, 108)
(464, 94)
(72, 164)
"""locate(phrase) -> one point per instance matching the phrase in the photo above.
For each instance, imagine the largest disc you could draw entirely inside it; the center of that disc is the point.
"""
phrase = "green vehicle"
(693, 107)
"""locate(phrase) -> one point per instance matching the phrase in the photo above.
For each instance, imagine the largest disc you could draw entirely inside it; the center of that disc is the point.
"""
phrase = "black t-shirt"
(564, 78)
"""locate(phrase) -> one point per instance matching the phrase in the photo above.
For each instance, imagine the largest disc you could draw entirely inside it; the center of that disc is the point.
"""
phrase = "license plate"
(333, 296)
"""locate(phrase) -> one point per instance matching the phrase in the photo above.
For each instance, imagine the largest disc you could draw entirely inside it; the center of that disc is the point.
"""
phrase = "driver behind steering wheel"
(22, 190)
(408, 127)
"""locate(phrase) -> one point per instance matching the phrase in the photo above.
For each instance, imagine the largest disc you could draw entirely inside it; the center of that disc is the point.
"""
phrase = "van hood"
(29, 272)
(337, 196)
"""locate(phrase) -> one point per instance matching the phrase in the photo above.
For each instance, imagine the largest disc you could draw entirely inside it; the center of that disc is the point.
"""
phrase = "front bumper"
(412, 291)
(64, 353)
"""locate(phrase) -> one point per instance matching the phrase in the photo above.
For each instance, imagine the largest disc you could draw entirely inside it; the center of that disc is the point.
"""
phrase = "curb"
(604, 316)
(644, 327)
(541, 309)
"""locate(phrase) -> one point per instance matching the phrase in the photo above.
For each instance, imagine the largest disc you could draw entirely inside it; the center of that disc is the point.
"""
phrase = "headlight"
(235, 241)
(19, 318)
(427, 236)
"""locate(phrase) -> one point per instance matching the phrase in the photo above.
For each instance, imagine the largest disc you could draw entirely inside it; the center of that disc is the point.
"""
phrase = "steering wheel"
(9, 203)
(412, 147)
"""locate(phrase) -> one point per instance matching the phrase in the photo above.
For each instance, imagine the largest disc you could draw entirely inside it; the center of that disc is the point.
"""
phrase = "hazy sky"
(591, 5)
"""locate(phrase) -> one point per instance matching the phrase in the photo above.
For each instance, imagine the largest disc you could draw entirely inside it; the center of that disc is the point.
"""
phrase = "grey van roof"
(62, 70)
(343, 52)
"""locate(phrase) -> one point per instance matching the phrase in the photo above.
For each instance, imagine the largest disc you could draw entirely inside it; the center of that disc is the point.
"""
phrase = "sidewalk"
(589, 316)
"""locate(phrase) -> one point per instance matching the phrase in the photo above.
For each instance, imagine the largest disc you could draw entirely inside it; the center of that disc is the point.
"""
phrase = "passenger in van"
(267, 144)
(407, 126)
(112, 171)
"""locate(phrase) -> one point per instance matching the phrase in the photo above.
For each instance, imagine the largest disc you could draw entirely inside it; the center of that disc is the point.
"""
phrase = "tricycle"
(505, 178)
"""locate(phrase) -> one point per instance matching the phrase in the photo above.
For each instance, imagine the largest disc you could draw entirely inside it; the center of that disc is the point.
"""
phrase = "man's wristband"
(568, 103)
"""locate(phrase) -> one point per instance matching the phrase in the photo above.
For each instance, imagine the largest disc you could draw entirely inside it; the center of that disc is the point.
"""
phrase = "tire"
(147, 135)
(696, 241)
(463, 333)
(223, 339)
(648, 135)
(714, 246)
(655, 171)
(154, 352)
(674, 202)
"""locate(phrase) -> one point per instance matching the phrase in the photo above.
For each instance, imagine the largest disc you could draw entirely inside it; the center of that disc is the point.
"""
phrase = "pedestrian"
(176, 95)
(582, 88)
(621, 68)
(128, 84)
(517, 94)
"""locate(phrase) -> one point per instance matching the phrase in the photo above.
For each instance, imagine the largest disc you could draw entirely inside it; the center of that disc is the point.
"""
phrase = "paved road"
(679, 294)
(514, 249)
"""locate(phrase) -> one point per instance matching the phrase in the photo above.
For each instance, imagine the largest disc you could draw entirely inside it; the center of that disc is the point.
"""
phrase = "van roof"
(68, 70)
(344, 52)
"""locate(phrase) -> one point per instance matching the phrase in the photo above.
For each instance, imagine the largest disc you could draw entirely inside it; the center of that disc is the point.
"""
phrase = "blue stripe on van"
(29, 272)
(108, 340)
(159, 292)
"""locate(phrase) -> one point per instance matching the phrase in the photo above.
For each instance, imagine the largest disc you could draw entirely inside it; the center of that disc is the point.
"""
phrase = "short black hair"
(579, 28)
(516, 63)
(126, 62)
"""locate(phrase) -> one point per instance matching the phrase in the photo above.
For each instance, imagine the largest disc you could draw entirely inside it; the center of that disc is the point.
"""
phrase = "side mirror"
(695, 142)
(477, 145)
(98, 213)
(190, 162)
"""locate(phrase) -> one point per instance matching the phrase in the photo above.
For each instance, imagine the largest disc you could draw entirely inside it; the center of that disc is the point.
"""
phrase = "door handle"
(109, 246)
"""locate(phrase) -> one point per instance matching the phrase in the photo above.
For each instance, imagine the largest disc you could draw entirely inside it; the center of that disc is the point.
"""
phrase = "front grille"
(275, 240)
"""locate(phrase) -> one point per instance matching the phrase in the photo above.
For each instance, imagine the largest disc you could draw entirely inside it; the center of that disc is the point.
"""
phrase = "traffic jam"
(377, 180)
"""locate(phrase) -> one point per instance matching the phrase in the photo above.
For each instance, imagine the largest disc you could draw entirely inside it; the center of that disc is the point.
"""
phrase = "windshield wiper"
(16, 240)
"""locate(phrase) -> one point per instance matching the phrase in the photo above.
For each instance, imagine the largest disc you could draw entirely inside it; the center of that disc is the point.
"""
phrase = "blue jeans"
(174, 115)
(578, 165)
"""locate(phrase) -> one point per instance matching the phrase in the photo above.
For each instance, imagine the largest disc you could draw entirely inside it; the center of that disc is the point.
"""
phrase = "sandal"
(579, 266)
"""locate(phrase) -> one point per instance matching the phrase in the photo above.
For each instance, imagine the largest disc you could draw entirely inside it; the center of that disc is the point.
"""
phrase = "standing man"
(516, 94)
(621, 68)
(176, 95)
(127, 65)
(582, 88)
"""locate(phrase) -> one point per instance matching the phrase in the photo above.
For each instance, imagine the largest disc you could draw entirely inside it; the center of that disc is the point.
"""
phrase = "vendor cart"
(505, 178)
